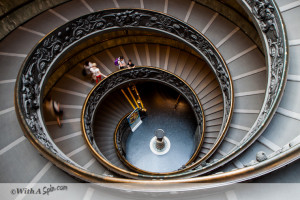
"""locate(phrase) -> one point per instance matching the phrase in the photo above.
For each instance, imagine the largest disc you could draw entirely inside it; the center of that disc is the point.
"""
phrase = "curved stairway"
(72, 89)
(245, 62)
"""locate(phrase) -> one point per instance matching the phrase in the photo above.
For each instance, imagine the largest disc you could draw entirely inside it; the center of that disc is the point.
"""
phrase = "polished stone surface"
(179, 126)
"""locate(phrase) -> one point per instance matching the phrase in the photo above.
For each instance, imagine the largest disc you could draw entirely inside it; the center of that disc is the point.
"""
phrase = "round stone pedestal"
(162, 151)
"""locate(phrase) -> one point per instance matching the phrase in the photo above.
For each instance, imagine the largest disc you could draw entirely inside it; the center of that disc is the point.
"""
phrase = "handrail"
(123, 126)
(95, 48)
(277, 68)
(40, 62)
(120, 78)
(118, 137)
(271, 28)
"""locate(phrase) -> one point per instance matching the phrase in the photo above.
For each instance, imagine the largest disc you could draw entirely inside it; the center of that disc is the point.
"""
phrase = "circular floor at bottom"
(179, 126)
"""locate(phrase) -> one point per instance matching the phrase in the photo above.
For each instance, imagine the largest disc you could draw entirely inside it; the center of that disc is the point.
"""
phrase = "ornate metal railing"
(40, 63)
(268, 21)
(32, 76)
(122, 132)
(270, 26)
(119, 79)
(120, 137)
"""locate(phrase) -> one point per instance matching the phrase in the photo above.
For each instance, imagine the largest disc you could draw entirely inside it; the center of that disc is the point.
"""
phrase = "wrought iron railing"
(126, 76)
(40, 63)
(270, 26)
(120, 136)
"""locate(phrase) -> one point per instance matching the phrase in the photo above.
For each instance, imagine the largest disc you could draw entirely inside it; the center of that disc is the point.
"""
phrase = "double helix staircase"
(20, 162)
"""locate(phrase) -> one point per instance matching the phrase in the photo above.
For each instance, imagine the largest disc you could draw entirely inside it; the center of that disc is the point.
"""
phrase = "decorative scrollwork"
(138, 73)
(122, 134)
(40, 62)
(118, 79)
(269, 21)
(266, 15)
(263, 10)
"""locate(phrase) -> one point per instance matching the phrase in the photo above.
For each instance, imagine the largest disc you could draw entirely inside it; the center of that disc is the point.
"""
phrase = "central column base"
(160, 144)
(159, 149)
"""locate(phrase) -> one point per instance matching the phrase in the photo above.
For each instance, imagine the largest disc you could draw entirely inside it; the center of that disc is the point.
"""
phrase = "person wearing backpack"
(121, 62)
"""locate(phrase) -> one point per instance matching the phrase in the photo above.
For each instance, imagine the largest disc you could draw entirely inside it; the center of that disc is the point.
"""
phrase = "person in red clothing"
(96, 73)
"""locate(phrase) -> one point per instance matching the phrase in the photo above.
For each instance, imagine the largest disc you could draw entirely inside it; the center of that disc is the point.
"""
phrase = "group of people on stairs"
(89, 69)
(120, 62)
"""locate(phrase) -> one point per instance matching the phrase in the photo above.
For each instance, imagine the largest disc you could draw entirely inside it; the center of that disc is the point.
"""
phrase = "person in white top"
(122, 63)
(96, 73)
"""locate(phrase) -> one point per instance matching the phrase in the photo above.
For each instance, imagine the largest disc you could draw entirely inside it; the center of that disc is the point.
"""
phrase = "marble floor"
(178, 124)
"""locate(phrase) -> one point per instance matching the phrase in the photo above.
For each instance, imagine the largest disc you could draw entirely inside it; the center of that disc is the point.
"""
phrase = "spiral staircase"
(229, 152)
